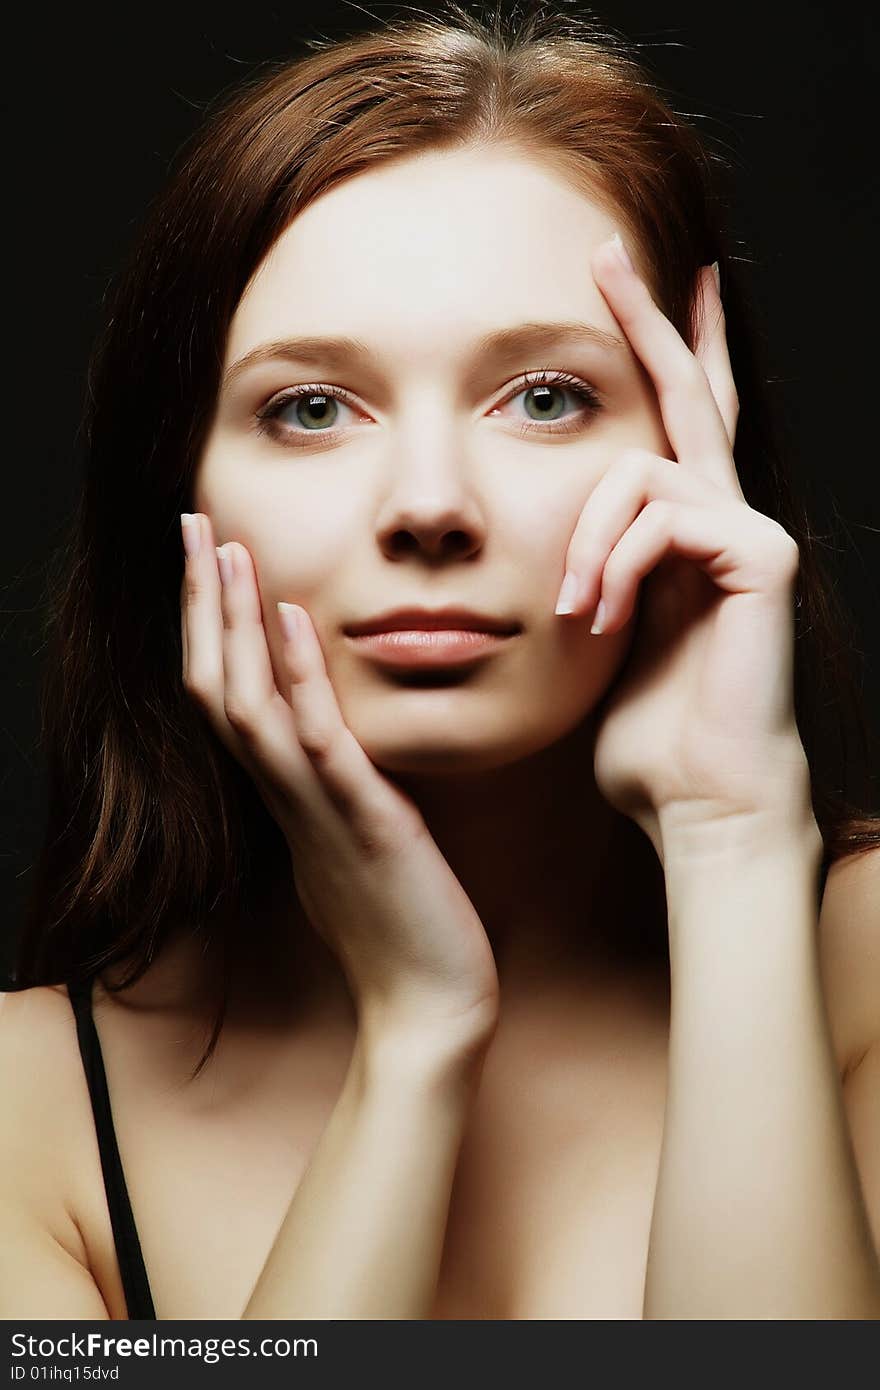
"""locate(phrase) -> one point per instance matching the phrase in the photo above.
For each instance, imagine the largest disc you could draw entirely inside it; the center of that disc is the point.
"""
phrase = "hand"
(700, 725)
(369, 876)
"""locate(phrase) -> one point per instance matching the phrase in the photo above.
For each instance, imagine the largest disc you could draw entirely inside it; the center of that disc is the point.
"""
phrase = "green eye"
(315, 409)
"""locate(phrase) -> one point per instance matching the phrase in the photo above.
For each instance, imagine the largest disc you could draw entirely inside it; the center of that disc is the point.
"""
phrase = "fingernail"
(599, 619)
(192, 535)
(621, 251)
(717, 273)
(289, 617)
(568, 593)
(224, 561)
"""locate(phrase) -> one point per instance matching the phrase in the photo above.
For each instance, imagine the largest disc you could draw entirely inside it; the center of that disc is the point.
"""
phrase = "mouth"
(429, 648)
(450, 618)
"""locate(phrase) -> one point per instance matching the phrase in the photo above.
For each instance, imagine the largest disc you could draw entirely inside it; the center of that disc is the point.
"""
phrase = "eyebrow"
(499, 346)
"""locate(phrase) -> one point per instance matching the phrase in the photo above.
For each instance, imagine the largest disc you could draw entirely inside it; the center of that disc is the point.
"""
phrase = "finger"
(711, 350)
(201, 624)
(252, 703)
(633, 479)
(741, 550)
(691, 417)
(183, 638)
(350, 779)
(301, 784)
(217, 642)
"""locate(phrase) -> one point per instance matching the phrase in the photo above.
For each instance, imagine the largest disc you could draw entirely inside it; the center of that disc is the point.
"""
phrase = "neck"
(528, 842)
(557, 877)
(550, 867)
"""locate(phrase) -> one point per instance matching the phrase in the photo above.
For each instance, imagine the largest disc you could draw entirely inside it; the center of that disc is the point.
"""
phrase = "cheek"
(536, 532)
(571, 669)
(294, 548)
(287, 511)
(295, 552)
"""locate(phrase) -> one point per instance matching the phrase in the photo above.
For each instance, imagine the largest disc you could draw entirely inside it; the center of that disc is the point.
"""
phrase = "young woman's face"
(434, 474)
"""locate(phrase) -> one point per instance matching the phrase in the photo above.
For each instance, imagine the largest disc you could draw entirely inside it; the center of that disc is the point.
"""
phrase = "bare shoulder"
(37, 1019)
(42, 1092)
(849, 946)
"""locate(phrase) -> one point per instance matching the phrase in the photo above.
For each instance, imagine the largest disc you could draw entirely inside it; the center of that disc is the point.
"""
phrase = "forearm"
(758, 1210)
(363, 1234)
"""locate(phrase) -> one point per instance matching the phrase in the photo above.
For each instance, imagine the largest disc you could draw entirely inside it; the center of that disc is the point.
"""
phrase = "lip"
(428, 647)
(447, 619)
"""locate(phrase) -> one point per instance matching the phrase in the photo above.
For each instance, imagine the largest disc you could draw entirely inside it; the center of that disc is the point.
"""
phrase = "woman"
(440, 885)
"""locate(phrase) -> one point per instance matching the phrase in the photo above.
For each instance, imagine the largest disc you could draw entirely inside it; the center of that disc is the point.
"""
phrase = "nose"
(431, 510)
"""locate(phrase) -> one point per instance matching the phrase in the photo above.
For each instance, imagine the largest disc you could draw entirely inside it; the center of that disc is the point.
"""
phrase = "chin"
(454, 753)
(439, 762)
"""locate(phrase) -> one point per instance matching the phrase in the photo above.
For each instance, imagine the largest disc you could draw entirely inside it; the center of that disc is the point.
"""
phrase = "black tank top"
(138, 1297)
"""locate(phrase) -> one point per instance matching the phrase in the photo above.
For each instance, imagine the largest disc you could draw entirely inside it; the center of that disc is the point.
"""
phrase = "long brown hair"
(151, 823)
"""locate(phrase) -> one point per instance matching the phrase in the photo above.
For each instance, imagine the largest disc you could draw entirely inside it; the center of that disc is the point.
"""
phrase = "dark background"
(97, 104)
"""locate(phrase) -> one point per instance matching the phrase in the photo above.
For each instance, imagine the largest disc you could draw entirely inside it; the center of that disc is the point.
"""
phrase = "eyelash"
(267, 417)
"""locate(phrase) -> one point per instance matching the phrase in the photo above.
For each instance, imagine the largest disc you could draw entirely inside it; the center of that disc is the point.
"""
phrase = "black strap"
(138, 1298)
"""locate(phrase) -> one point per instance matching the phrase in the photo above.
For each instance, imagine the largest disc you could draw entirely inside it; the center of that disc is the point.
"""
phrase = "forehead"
(444, 246)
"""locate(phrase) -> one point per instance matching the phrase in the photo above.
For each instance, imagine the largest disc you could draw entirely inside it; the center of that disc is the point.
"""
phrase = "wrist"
(740, 893)
(423, 1049)
(695, 842)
